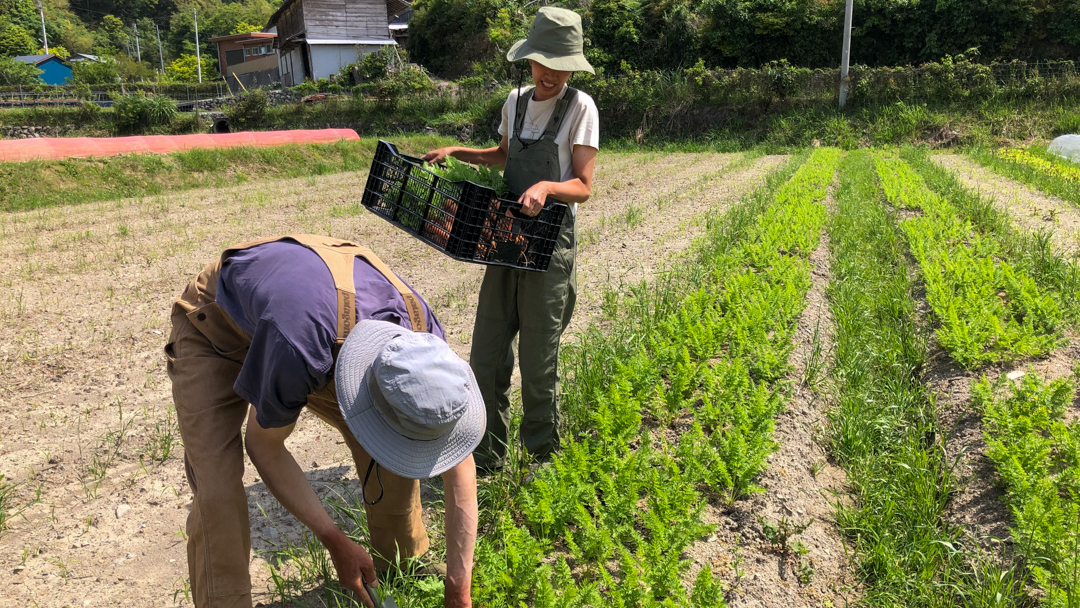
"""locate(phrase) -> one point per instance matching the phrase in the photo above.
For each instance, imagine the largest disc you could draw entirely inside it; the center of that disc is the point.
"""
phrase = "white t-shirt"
(580, 126)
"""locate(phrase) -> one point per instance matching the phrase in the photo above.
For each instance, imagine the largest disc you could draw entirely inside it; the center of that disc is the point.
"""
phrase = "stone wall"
(24, 132)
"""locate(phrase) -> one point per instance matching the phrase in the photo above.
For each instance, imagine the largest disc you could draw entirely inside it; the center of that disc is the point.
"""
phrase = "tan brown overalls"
(205, 352)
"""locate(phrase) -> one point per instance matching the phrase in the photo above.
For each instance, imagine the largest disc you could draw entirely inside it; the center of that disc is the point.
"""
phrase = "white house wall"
(327, 59)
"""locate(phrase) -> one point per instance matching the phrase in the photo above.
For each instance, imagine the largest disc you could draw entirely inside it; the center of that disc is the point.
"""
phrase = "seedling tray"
(466, 221)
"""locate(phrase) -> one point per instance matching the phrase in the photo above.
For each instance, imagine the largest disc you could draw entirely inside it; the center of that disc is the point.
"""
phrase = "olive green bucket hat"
(555, 41)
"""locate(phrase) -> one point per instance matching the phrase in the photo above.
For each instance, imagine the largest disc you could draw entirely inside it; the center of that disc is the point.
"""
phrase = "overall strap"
(556, 120)
(339, 257)
(519, 115)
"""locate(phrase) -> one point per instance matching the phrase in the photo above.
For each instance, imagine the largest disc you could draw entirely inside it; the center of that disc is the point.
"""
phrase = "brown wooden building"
(317, 38)
(248, 59)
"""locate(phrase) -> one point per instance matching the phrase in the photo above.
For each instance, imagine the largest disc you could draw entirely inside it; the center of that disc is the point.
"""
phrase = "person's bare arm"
(461, 520)
(287, 482)
(492, 157)
(577, 190)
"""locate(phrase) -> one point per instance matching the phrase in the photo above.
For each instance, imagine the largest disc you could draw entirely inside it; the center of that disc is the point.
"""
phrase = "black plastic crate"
(464, 220)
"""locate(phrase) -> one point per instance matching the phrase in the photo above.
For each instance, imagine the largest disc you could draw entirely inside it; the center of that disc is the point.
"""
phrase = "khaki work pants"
(205, 352)
(538, 306)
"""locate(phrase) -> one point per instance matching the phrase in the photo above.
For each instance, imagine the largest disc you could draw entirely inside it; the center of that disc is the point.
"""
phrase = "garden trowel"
(379, 601)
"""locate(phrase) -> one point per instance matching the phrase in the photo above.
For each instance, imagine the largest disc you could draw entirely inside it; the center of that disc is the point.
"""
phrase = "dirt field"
(83, 318)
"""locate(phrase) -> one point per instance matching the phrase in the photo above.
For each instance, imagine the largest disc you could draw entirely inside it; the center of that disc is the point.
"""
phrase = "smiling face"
(548, 82)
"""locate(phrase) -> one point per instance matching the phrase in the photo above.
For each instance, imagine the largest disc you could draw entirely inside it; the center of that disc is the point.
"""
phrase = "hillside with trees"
(119, 32)
(453, 36)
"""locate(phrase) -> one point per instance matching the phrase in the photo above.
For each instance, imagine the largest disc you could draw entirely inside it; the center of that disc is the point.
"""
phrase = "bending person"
(306, 321)
(550, 137)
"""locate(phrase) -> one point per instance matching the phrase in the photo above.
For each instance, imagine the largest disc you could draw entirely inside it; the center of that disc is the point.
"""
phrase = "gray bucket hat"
(408, 399)
(555, 41)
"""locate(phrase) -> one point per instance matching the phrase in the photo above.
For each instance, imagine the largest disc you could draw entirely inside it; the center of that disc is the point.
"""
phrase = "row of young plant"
(884, 427)
(668, 407)
(988, 310)
(1056, 272)
(1037, 167)
(1036, 450)
(673, 405)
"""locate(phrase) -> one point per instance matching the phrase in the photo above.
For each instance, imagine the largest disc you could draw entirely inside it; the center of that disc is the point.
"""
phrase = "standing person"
(273, 323)
(550, 137)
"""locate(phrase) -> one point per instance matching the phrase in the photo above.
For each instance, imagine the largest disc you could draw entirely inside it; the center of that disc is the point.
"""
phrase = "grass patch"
(36, 184)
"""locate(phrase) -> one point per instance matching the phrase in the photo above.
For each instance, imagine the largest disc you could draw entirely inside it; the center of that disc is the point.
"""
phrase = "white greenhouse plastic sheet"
(1067, 147)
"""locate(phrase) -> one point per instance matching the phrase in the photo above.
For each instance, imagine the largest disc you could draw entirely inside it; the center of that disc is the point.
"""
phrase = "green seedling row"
(883, 428)
(1036, 167)
(1055, 272)
(987, 310)
(673, 406)
(1037, 453)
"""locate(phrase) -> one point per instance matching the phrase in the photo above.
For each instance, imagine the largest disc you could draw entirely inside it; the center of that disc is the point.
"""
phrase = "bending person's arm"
(290, 486)
(461, 520)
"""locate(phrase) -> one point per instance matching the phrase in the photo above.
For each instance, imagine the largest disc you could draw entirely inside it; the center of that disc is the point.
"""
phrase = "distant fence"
(44, 95)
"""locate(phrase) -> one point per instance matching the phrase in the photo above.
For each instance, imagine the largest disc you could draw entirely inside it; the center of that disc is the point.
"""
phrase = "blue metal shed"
(54, 68)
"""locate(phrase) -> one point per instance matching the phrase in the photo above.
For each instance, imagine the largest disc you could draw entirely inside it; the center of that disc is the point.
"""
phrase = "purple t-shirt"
(283, 295)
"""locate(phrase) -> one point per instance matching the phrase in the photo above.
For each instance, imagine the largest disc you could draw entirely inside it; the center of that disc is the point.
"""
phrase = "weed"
(161, 441)
(7, 491)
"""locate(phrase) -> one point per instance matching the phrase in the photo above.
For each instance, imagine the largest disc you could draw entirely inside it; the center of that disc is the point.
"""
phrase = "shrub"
(104, 71)
(140, 111)
(305, 88)
(249, 111)
(372, 67)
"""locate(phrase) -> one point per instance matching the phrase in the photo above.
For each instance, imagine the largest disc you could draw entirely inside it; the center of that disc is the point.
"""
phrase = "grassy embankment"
(47, 183)
(672, 118)
(607, 523)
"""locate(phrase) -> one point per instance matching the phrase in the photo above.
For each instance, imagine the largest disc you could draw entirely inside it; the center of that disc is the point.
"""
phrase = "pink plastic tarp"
(57, 148)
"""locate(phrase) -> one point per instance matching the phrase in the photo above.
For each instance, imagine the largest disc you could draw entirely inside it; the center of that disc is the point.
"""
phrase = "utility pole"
(44, 37)
(159, 54)
(138, 51)
(845, 55)
(198, 59)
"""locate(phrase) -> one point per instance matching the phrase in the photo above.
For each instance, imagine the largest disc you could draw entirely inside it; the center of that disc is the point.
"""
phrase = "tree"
(185, 69)
(59, 51)
(103, 71)
(15, 40)
(111, 36)
(244, 28)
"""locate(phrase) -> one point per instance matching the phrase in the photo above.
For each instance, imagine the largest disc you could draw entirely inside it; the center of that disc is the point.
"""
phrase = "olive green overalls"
(538, 305)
